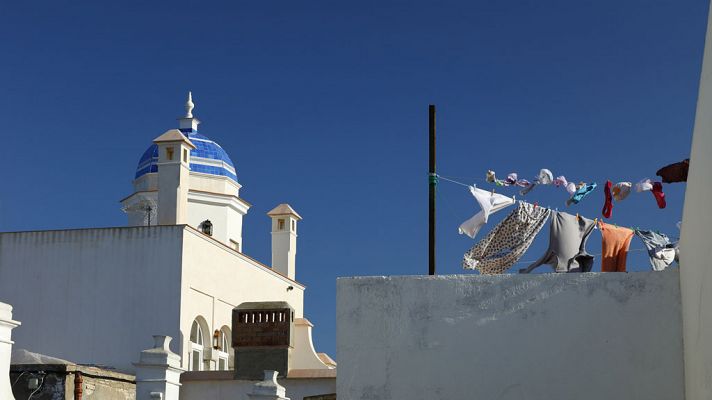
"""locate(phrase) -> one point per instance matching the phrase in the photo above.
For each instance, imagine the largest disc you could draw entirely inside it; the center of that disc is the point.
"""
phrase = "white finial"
(189, 106)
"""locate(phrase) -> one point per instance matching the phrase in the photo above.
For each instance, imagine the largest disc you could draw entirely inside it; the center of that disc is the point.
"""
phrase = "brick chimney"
(263, 338)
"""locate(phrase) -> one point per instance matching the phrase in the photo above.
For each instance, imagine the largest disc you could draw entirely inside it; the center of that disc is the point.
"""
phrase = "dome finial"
(189, 106)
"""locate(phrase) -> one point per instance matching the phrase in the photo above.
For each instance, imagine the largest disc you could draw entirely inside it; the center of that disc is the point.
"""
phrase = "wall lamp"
(216, 339)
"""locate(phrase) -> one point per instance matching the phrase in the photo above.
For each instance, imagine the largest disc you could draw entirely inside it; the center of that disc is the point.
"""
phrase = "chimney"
(173, 175)
(263, 338)
(284, 239)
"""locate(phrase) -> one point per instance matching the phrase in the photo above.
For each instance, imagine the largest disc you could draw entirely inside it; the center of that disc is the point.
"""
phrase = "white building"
(98, 295)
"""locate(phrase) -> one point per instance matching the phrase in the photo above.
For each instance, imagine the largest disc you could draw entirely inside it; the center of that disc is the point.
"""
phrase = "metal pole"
(433, 180)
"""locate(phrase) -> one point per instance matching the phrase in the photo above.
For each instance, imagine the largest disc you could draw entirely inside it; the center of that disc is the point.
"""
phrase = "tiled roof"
(207, 158)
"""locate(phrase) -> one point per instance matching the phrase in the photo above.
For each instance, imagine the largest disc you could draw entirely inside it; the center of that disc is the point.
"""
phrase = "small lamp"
(207, 227)
(216, 340)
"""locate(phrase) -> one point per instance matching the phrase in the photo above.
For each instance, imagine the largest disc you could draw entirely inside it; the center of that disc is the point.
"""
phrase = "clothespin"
(577, 217)
(536, 204)
(492, 191)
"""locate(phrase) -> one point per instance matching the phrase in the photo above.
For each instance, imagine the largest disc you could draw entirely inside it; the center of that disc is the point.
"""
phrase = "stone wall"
(524, 337)
(57, 382)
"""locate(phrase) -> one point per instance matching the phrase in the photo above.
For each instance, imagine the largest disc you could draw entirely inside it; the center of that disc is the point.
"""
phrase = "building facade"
(177, 269)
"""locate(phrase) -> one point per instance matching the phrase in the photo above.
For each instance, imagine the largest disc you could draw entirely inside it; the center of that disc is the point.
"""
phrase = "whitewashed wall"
(216, 279)
(97, 295)
(223, 387)
(534, 337)
(93, 295)
(695, 249)
(224, 213)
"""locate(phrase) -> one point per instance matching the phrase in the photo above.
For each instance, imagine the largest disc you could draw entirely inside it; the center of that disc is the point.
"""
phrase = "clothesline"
(452, 180)
(449, 179)
(676, 172)
(502, 248)
(507, 242)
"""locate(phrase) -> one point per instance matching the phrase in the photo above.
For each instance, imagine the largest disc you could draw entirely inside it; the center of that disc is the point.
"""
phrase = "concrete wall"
(93, 295)
(200, 386)
(216, 279)
(695, 249)
(534, 337)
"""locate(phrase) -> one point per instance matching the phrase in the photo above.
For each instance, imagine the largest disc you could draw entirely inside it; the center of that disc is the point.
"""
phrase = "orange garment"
(615, 243)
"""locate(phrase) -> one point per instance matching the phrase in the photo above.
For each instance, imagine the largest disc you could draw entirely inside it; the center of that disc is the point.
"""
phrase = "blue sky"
(323, 105)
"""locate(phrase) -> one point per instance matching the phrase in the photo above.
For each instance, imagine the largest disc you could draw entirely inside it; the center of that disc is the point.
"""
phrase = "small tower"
(173, 177)
(284, 239)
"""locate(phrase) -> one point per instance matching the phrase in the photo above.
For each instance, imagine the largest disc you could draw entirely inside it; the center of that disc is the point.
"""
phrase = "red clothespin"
(536, 204)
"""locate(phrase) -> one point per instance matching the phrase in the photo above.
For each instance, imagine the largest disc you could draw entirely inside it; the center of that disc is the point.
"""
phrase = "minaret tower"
(174, 171)
(184, 177)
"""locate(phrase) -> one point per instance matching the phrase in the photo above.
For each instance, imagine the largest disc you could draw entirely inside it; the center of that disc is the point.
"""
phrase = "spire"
(189, 123)
(189, 105)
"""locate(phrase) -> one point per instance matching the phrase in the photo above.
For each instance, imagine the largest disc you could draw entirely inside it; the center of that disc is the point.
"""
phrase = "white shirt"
(489, 203)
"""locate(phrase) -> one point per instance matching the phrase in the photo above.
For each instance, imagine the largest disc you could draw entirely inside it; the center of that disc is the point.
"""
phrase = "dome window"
(207, 227)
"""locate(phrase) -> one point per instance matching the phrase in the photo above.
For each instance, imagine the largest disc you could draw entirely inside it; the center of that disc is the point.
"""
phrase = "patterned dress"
(508, 241)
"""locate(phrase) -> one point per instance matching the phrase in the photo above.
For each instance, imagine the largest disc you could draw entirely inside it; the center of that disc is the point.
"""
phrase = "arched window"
(195, 362)
(224, 349)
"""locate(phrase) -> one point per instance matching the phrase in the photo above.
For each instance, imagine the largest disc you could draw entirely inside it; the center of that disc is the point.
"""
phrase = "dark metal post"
(433, 180)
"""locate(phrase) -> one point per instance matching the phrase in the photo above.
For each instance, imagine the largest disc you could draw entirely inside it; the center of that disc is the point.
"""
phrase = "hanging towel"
(615, 242)
(545, 177)
(660, 249)
(491, 177)
(507, 241)
(676, 172)
(659, 195)
(644, 185)
(513, 180)
(489, 203)
(580, 193)
(571, 188)
(567, 244)
(560, 181)
(608, 203)
(621, 190)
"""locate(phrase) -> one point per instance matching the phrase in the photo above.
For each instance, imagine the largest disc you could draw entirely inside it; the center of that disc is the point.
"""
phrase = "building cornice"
(222, 195)
(135, 193)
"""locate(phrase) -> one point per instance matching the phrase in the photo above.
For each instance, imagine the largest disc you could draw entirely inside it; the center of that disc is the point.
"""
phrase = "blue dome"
(207, 158)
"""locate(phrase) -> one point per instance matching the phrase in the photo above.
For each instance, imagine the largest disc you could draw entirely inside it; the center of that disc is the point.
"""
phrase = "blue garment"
(580, 193)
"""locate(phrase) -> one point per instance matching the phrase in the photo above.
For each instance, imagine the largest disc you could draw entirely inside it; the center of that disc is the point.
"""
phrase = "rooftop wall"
(534, 337)
(220, 385)
(92, 295)
(696, 276)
